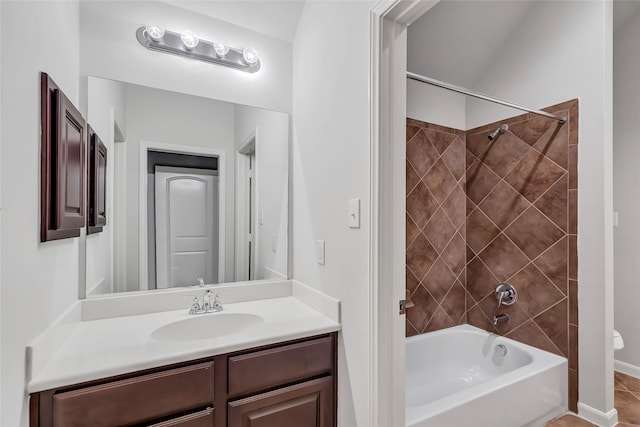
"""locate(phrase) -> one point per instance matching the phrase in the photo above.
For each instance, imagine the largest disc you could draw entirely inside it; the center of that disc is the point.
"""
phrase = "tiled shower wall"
(521, 227)
(435, 227)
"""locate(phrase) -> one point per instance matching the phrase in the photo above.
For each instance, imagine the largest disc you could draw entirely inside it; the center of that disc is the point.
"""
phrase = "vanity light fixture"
(187, 44)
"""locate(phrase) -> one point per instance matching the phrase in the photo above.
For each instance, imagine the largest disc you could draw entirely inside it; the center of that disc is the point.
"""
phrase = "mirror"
(196, 188)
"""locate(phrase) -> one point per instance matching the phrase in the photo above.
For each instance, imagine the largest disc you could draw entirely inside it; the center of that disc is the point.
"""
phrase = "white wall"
(331, 156)
(436, 105)
(105, 97)
(175, 118)
(39, 280)
(272, 154)
(570, 56)
(109, 49)
(626, 180)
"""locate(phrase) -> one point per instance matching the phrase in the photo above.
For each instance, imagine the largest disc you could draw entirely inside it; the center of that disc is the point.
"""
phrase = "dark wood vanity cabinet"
(286, 384)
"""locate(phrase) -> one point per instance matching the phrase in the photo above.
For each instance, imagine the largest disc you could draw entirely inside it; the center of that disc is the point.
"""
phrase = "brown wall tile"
(480, 212)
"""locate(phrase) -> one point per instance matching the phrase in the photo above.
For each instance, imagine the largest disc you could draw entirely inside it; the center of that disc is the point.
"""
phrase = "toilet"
(618, 343)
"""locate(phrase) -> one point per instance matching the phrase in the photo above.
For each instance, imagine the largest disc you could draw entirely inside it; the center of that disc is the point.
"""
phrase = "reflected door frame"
(247, 217)
(143, 253)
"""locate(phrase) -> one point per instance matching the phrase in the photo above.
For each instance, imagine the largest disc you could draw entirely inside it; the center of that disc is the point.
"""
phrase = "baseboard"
(626, 368)
(271, 274)
(602, 419)
(99, 288)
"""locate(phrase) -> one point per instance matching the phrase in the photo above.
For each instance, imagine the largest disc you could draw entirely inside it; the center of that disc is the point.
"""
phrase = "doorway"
(181, 211)
(186, 236)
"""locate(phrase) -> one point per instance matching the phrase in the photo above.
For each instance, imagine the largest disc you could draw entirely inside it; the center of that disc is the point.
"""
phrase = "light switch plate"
(354, 213)
(320, 252)
(261, 217)
(615, 219)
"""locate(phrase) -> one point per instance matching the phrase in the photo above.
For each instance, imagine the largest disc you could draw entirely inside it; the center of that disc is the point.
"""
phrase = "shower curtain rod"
(438, 83)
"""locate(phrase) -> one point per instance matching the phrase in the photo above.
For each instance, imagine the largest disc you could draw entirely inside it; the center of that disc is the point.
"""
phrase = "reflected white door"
(186, 226)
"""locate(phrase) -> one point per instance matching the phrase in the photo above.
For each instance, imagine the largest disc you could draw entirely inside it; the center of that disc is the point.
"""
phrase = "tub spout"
(500, 319)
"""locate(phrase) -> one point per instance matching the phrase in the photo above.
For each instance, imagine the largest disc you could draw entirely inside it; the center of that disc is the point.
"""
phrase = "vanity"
(276, 367)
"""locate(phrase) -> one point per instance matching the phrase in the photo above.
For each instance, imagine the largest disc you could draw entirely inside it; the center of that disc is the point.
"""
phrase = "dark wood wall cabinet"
(286, 384)
(97, 216)
(62, 164)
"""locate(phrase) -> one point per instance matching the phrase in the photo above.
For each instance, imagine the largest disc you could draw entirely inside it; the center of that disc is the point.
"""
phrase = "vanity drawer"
(260, 370)
(197, 419)
(136, 400)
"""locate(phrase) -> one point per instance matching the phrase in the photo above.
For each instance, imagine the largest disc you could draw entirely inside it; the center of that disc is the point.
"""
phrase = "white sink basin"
(206, 326)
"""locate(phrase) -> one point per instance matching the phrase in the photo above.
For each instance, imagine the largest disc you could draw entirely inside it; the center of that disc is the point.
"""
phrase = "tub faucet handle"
(506, 294)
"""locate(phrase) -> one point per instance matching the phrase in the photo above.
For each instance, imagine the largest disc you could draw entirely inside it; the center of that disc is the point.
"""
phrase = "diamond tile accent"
(533, 232)
(411, 281)
(480, 231)
(411, 176)
(439, 181)
(553, 203)
(480, 181)
(411, 229)
(480, 281)
(535, 292)
(454, 158)
(533, 175)
(454, 254)
(455, 207)
(422, 311)
(420, 256)
(529, 333)
(421, 154)
(439, 230)
(503, 204)
(421, 205)
(553, 263)
(411, 132)
(439, 280)
(503, 153)
(440, 140)
(554, 144)
(503, 258)
(453, 303)
(439, 321)
(531, 130)
(553, 323)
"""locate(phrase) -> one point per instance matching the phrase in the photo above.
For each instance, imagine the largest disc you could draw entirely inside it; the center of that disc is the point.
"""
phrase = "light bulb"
(221, 49)
(189, 39)
(155, 31)
(250, 55)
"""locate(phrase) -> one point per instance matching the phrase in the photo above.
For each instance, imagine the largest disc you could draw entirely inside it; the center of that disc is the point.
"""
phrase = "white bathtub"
(456, 377)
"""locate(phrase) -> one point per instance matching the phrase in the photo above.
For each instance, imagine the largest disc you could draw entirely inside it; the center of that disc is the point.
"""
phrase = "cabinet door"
(309, 404)
(70, 162)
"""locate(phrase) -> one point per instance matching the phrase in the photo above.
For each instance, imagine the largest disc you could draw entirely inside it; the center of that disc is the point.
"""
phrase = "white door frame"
(241, 211)
(118, 207)
(389, 21)
(145, 146)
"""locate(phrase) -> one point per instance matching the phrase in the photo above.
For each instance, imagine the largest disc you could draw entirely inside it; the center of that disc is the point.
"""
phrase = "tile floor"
(626, 401)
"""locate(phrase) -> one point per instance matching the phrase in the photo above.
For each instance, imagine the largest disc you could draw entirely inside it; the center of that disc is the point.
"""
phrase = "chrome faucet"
(499, 319)
(506, 294)
(210, 303)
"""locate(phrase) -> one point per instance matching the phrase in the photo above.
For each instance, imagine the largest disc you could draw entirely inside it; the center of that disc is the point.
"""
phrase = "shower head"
(502, 129)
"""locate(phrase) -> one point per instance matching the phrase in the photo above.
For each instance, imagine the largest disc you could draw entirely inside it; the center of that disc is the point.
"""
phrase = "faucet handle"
(506, 294)
(201, 282)
(195, 306)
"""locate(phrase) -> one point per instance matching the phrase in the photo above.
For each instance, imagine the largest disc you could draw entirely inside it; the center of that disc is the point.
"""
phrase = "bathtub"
(459, 377)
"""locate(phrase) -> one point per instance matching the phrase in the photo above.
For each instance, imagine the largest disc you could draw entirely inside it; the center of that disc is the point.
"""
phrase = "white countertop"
(93, 349)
